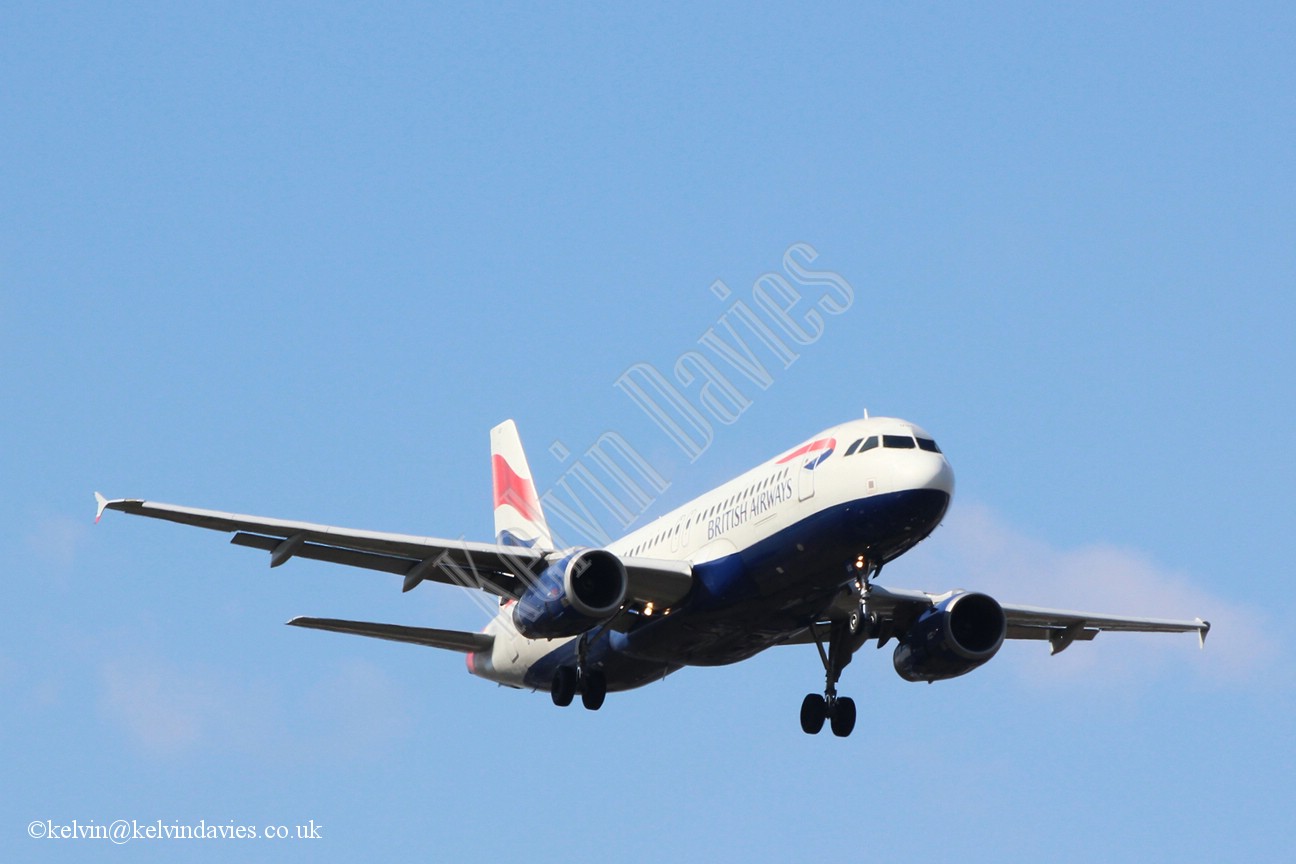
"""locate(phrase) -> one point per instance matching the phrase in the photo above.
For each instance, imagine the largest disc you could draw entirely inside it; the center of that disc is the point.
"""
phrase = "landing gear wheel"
(563, 689)
(843, 716)
(814, 710)
(594, 690)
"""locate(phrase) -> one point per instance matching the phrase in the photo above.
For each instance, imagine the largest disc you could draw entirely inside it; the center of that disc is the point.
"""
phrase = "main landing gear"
(839, 711)
(591, 683)
(566, 681)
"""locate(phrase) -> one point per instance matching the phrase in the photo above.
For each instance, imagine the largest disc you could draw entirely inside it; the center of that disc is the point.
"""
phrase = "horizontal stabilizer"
(451, 640)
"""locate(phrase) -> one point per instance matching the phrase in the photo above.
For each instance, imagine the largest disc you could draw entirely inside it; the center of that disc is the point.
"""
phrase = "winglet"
(102, 504)
(1201, 634)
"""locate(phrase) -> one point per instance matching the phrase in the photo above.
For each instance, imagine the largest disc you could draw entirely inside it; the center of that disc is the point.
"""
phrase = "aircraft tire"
(814, 710)
(843, 717)
(594, 690)
(563, 688)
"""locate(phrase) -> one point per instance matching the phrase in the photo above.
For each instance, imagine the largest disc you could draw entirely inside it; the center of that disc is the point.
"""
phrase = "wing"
(500, 569)
(1061, 627)
(894, 609)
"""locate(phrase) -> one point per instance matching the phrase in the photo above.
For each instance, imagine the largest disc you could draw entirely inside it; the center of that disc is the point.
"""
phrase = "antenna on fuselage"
(866, 413)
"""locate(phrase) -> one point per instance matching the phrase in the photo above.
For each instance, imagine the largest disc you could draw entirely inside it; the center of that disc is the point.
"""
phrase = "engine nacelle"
(952, 638)
(572, 595)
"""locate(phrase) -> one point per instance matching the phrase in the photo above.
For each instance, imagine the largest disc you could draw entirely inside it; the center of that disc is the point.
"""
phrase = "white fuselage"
(856, 460)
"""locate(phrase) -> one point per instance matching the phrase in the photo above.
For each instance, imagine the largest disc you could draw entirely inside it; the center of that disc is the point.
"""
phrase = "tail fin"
(519, 521)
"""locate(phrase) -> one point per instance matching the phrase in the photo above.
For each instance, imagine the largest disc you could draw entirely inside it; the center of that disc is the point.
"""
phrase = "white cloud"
(360, 709)
(173, 710)
(54, 543)
(977, 549)
(158, 706)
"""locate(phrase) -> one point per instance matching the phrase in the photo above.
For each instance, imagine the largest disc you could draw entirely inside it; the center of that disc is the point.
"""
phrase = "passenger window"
(898, 442)
(929, 445)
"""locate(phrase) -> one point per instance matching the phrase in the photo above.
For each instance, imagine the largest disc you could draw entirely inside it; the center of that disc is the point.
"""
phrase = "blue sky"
(296, 259)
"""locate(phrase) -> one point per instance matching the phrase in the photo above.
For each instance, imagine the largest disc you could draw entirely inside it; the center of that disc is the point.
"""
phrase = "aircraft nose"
(928, 471)
(942, 478)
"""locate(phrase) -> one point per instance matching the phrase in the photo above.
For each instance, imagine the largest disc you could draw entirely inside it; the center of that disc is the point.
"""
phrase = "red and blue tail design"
(519, 521)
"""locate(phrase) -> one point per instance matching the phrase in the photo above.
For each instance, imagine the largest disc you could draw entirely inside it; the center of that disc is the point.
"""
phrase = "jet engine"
(952, 638)
(572, 595)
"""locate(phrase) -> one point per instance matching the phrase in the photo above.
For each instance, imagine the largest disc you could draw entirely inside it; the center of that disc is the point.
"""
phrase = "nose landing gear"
(838, 710)
(845, 635)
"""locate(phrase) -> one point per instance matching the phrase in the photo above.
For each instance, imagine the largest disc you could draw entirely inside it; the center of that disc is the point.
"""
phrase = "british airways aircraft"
(786, 554)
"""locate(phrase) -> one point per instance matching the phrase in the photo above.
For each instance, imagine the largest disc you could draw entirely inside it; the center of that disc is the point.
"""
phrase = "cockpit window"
(863, 444)
(929, 445)
(898, 442)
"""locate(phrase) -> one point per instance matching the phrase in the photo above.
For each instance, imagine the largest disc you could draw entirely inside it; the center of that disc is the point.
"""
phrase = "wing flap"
(1023, 631)
(317, 552)
(450, 640)
(496, 582)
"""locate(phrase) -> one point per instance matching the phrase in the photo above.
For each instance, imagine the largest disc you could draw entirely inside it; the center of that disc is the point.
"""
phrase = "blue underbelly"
(758, 597)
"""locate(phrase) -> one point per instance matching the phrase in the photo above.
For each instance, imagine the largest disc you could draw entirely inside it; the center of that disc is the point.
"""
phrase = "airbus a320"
(788, 553)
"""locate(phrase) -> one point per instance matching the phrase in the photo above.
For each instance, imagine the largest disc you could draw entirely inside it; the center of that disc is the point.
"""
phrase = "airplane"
(788, 553)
